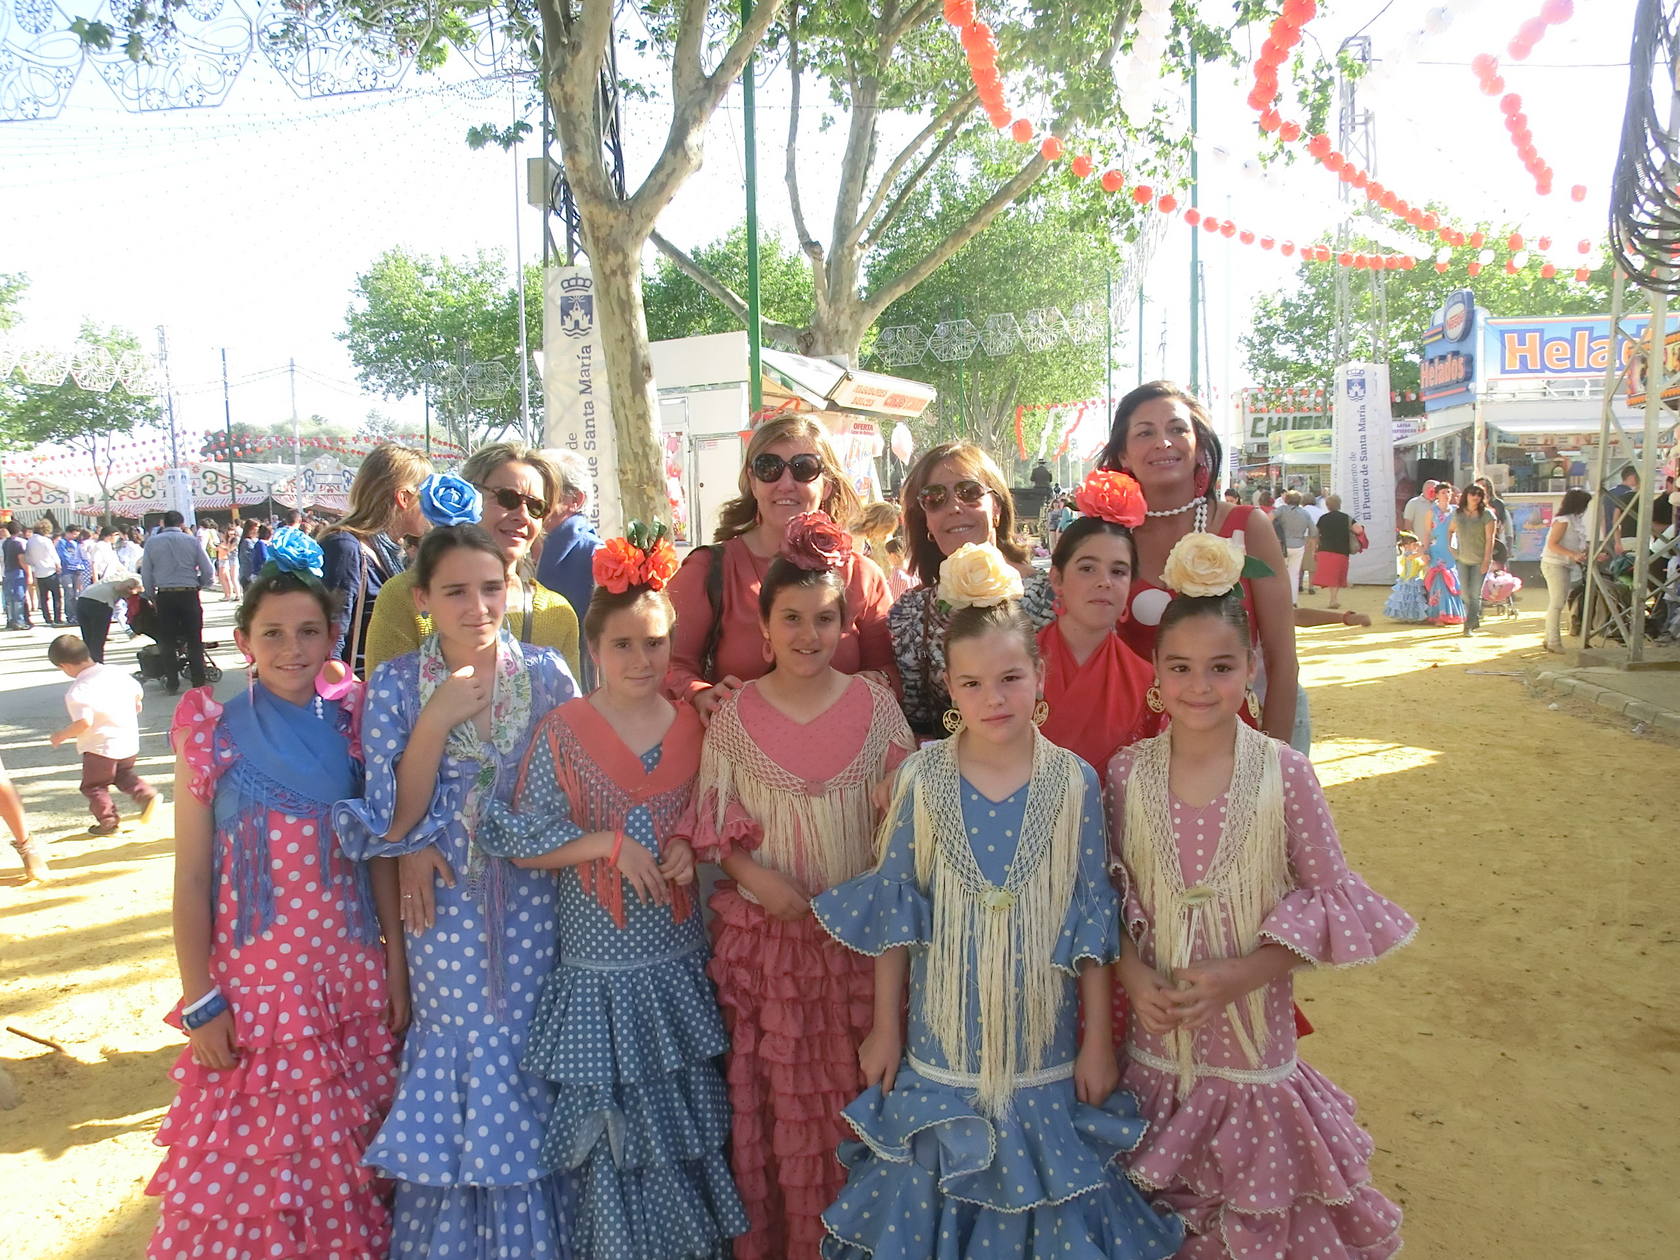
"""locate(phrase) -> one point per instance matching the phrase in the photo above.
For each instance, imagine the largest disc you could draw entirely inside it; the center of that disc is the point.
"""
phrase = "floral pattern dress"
(265, 1158)
(464, 1137)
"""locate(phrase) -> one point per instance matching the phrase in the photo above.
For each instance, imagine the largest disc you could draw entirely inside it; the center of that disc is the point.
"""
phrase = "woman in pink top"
(718, 644)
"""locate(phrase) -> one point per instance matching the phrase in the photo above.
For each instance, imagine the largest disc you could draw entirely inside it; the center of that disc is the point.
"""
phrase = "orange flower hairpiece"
(644, 558)
(1113, 496)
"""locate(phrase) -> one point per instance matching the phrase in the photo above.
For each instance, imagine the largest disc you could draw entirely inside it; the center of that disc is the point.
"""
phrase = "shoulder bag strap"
(359, 604)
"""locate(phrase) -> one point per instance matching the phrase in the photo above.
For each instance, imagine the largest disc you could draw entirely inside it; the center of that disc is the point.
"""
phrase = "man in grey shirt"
(174, 568)
(1418, 510)
(1293, 527)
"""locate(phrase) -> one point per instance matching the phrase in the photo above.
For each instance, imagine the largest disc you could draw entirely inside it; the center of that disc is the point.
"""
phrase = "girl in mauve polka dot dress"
(1233, 877)
(444, 731)
(627, 1025)
(284, 975)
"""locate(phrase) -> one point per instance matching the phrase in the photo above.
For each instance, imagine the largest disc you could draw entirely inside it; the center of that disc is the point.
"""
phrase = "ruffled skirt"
(797, 1005)
(265, 1158)
(1313, 1197)
(933, 1179)
(1407, 601)
(641, 1117)
(1446, 604)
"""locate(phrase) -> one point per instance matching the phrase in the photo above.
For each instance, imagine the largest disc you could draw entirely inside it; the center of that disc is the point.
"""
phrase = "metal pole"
(168, 396)
(1195, 252)
(227, 419)
(755, 379)
(1140, 330)
(1606, 417)
(1656, 372)
(297, 437)
(1108, 306)
(519, 282)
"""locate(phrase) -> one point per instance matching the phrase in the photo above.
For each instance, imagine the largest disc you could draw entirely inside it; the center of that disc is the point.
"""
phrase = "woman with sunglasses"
(954, 495)
(521, 488)
(717, 646)
(360, 554)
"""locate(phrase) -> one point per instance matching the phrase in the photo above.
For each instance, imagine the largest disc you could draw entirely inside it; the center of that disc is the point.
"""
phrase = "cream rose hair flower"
(977, 573)
(1203, 564)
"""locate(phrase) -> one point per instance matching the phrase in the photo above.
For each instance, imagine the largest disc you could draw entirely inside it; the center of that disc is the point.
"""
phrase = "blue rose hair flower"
(447, 500)
(293, 551)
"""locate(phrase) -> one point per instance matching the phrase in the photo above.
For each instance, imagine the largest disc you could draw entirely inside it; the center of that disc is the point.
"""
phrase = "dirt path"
(1517, 1064)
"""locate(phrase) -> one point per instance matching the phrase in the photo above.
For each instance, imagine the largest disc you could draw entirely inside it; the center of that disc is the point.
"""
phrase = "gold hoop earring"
(1041, 712)
(1152, 698)
(1253, 706)
(953, 721)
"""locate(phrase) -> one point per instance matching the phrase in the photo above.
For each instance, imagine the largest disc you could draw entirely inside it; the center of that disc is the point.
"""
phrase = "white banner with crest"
(1362, 465)
(577, 413)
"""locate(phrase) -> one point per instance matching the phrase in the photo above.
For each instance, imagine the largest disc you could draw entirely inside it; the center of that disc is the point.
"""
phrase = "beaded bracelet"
(204, 1010)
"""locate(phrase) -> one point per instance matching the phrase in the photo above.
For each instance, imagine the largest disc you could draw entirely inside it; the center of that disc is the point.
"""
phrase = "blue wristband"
(204, 1010)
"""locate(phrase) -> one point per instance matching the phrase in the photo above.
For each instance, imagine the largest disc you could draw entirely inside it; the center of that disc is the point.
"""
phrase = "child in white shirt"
(104, 706)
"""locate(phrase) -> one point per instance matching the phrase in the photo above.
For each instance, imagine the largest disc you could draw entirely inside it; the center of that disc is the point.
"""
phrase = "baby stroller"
(143, 620)
(1499, 591)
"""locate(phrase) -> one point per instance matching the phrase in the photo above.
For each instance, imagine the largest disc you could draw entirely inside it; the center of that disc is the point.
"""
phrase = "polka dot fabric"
(930, 1176)
(1276, 1168)
(627, 1025)
(464, 1136)
(265, 1157)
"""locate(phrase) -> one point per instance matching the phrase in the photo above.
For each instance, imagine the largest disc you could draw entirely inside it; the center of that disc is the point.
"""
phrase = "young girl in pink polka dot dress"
(290, 1066)
(1233, 877)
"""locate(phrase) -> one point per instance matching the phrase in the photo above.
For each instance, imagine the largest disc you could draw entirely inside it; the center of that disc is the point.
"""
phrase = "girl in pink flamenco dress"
(783, 805)
(290, 1067)
(1233, 877)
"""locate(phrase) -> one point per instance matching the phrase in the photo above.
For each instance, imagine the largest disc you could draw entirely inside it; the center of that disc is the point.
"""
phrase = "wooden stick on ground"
(48, 1042)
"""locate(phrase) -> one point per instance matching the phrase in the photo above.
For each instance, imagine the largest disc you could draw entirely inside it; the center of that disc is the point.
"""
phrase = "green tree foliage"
(84, 420)
(13, 285)
(679, 306)
(1293, 330)
(1054, 249)
(414, 319)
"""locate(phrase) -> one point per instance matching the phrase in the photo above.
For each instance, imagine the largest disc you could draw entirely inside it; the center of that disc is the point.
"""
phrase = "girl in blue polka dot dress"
(627, 1025)
(993, 1128)
(443, 734)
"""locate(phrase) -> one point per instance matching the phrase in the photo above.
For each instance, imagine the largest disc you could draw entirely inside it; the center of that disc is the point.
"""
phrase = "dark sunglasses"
(932, 498)
(511, 499)
(768, 468)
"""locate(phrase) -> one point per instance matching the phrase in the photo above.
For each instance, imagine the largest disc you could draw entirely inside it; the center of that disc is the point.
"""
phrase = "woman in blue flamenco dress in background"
(1440, 580)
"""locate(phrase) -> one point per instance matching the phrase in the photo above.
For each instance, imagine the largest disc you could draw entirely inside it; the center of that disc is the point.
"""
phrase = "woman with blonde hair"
(954, 495)
(718, 645)
(363, 551)
(521, 489)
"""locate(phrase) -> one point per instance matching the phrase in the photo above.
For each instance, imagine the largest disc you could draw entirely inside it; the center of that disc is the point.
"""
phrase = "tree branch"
(783, 334)
(930, 262)
(791, 173)
(903, 199)
(894, 25)
(854, 166)
(946, 117)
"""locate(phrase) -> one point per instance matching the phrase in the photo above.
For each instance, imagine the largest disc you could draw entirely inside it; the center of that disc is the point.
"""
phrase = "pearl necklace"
(1201, 506)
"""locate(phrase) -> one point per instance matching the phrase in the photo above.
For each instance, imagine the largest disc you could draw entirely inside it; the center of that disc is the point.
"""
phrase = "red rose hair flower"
(814, 541)
(1113, 496)
(645, 559)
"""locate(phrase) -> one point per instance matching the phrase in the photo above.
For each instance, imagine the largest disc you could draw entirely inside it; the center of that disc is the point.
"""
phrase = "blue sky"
(244, 226)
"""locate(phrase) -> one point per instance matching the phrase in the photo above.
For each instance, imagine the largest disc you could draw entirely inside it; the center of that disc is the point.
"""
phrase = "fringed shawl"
(602, 781)
(292, 760)
(1249, 874)
(817, 833)
(989, 969)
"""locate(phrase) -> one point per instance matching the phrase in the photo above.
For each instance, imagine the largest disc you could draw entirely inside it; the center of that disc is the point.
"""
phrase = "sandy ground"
(1517, 1064)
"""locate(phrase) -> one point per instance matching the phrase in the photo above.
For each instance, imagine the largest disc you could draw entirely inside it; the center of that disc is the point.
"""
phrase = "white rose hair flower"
(977, 574)
(1203, 564)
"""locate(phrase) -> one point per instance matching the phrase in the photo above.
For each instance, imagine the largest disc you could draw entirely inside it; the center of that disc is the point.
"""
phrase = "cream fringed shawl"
(1221, 916)
(817, 834)
(989, 968)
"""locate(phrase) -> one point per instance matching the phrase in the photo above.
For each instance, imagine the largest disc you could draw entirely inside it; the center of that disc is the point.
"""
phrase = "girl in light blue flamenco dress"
(443, 734)
(627, 1025)
(993, 1130)
(1440, 582)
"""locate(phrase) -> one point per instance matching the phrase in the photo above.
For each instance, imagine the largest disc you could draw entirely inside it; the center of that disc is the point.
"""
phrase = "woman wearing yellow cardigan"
(521, 487)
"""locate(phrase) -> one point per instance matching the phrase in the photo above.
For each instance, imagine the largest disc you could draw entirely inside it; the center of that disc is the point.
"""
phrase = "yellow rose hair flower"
(1203, 564)
(977, 574)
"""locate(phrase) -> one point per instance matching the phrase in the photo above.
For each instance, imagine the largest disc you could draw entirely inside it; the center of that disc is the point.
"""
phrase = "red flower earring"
(1203, 477)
